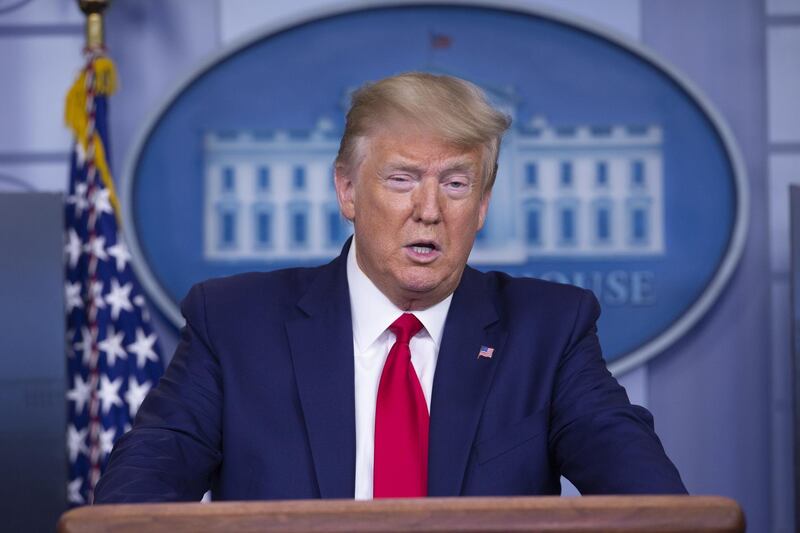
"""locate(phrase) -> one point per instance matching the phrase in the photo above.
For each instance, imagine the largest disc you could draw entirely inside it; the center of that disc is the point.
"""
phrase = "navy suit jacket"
(258, 401)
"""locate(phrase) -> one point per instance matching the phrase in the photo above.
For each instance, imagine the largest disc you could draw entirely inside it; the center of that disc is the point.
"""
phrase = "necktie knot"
(405, 327)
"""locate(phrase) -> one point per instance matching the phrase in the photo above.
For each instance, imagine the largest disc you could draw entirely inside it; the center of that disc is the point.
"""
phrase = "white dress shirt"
(372, 314)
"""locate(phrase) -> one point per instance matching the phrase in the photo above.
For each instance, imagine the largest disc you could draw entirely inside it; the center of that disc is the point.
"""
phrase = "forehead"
(405, 144)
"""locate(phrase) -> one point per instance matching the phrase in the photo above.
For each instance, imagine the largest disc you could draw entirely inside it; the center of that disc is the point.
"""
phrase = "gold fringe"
(76, 118)
(105, 76)
(75, 109)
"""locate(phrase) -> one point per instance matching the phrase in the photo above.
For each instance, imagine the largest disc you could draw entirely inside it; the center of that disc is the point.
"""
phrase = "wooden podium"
(696, 514)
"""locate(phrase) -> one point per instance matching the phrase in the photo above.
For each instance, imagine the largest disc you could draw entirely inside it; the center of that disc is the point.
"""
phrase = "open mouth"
(423, 247)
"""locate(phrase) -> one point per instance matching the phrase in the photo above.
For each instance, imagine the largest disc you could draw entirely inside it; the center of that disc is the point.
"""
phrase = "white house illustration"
(587, 190)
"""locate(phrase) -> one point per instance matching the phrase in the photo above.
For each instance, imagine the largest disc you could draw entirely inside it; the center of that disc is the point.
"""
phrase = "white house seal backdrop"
(616, 174)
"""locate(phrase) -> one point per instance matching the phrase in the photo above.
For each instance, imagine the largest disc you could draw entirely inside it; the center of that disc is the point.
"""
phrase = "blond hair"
(451, 107)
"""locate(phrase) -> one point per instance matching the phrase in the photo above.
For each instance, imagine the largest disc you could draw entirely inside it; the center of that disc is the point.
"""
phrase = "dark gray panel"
(32, 365)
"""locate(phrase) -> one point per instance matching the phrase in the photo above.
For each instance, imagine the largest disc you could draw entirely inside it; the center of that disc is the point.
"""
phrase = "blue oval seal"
(616, 175)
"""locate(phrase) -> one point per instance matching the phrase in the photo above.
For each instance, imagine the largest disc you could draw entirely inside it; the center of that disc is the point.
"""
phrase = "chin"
(419, 286)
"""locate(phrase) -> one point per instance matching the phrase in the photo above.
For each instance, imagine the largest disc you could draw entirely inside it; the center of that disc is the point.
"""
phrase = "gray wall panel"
(709, 393)
(32, 367)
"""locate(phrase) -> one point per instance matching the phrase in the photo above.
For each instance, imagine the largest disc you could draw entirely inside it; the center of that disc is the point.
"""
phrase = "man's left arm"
(600, 442)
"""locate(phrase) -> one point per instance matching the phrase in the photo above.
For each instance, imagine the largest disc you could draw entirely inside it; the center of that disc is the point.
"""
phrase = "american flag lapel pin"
(486, 351)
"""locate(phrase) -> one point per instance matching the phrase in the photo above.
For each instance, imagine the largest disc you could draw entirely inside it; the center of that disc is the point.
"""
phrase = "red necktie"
(401, 421)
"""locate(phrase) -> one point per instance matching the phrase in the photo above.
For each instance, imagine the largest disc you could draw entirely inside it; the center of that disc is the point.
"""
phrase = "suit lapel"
(461, 382)
(321, 344)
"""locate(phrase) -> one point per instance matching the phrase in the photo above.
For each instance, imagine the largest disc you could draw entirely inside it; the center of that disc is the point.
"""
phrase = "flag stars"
(142, 347)
(97, 248)
(109, 393)
(74, 491)
(119, 298)
(135, 394)
(112, 346)
(79, 198)
(72, 293)
(106, 318)
(85, 345)
(107, 440)
(102, 201)
(80, 154)
(120, 253)
(73, 248)
(76, 442)
(79, 393)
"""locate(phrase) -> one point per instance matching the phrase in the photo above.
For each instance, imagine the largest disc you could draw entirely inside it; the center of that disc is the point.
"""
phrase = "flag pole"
(95, 30)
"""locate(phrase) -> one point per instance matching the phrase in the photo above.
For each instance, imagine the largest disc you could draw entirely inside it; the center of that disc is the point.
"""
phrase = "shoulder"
(243, 293)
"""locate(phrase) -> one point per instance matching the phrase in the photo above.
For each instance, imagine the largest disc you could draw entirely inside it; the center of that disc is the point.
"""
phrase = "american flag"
(113, 356)
(440, 41)
(486, 351)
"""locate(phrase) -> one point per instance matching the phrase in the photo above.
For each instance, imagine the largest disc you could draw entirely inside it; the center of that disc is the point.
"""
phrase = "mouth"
(423, 250)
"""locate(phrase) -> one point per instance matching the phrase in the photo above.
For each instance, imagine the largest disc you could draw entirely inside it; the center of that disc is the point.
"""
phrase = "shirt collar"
(372, 312)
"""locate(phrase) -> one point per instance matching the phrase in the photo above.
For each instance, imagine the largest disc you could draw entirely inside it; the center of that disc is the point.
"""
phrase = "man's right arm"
(174, 448)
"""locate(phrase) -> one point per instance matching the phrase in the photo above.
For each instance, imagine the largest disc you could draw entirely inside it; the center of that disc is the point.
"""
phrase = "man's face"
(416, 203)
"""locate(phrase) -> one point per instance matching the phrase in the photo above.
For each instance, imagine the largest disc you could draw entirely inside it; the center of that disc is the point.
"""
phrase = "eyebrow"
(456, 165)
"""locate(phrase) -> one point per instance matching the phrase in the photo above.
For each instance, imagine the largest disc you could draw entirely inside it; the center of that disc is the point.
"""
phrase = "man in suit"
(395, 370)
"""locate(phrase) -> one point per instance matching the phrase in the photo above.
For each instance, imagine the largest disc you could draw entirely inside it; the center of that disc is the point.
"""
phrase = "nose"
(426, 202)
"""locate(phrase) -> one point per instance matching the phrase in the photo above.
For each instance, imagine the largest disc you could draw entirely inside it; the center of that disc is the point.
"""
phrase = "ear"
(345, 191)
(483, 209)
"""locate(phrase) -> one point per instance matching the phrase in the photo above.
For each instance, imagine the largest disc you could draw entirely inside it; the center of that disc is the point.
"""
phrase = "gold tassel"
(75, 109)
(77, 120)
(105, 76)
(105, 83)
